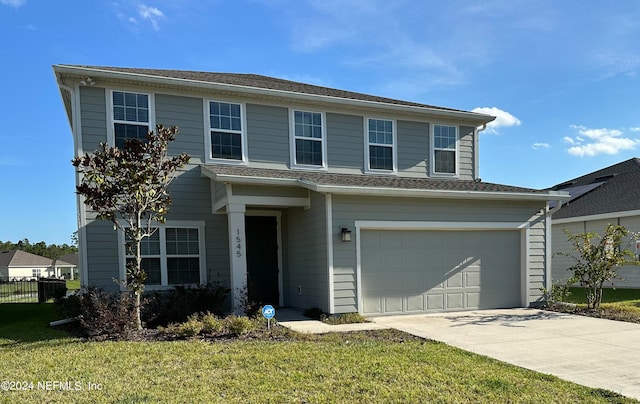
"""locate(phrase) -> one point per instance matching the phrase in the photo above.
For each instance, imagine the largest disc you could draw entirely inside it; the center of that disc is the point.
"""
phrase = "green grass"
(622, 296)
(73, 284)
(617, 304)
(314, 369)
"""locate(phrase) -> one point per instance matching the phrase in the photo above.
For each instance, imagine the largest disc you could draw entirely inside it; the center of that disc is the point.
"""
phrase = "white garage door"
(433, 271)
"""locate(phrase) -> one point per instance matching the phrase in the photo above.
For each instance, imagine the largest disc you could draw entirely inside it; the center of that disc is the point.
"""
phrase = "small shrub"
(104, 313)
(69, 306)
(238, 325)
(176, 305)
(346, 318)
(558, 294)
(210, 323)
(315, 313)
(249, 302)
(190, 328)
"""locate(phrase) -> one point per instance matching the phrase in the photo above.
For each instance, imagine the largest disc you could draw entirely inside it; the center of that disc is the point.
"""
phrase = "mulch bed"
(276, 333)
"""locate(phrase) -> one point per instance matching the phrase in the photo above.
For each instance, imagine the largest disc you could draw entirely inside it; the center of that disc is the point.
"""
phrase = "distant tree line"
(41, 248)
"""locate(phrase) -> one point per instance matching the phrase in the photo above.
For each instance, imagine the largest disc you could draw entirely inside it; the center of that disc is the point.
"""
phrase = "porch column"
(237, 254)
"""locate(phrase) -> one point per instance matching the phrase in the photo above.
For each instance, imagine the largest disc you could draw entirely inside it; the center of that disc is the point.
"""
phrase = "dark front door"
(262, 259)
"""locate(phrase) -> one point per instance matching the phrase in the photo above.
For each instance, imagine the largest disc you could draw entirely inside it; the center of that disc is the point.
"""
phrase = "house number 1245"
(239, 245)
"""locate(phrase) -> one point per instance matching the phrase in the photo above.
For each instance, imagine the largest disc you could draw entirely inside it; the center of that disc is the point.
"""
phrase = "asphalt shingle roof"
(612, 189)
(371, 181)
(263, 82)
(19, 258)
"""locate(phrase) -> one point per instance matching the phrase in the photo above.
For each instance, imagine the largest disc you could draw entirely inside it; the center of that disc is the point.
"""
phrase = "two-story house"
(312, 196)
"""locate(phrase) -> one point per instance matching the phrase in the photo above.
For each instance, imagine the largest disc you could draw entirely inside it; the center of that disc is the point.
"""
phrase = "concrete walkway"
(294, 320)
(589, 351)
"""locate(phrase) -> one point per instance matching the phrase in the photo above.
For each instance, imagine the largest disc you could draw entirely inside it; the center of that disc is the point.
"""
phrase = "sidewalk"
(294, 320)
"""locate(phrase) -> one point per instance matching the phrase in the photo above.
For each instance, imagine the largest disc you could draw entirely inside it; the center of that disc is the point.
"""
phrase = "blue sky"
(562, 76)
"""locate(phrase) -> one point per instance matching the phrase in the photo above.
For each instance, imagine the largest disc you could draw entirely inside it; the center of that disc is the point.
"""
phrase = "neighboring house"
(67, 266)
(314, 197)
(607, 196)
(17, 264)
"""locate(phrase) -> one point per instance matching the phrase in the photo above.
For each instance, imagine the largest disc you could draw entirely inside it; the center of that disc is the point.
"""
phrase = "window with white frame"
(308, 138)
(36, 272)
(225, 130)
(130, 116)
(445, 149)
(172, 255)
(380, 141)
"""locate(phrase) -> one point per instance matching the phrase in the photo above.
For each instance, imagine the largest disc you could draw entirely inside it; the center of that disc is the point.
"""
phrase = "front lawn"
(617, 304)
(384, 366)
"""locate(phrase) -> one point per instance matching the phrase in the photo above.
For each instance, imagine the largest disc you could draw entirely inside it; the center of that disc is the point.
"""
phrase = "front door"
(262, 259)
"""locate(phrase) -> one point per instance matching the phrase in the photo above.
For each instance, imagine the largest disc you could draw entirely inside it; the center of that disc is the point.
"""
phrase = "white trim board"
(612, 215)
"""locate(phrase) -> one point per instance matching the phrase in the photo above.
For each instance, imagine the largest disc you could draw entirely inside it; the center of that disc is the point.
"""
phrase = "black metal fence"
(31, 290)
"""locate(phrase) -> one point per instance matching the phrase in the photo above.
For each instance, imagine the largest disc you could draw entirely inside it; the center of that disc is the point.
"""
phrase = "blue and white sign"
(268, 312)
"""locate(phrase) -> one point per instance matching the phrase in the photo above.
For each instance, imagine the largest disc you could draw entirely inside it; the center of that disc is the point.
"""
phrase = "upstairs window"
(445, 149)
(308, 139)
(380, 144)
(172, 255)
(130, 116)
(226, 131)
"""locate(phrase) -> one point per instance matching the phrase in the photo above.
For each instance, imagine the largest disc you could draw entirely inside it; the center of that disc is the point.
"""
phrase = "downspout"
(548, 244)
(476, 152)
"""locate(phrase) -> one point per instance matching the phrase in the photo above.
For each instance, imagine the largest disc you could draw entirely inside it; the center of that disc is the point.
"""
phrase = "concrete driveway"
(588, 351)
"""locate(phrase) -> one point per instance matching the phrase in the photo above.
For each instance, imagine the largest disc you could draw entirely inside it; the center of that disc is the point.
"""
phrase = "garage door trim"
(435, 226)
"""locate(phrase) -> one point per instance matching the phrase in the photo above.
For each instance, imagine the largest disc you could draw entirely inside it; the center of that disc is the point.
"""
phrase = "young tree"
(598, 259)
(129, 187)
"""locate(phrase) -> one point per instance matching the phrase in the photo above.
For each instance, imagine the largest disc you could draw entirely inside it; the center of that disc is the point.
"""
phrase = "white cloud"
(152, 14)
(537, 146)
(635, 129)
(14, 3)
(503, 118)
(593, 142)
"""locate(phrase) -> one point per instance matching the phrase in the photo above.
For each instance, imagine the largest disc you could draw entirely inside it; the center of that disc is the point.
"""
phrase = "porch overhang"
(372, 185)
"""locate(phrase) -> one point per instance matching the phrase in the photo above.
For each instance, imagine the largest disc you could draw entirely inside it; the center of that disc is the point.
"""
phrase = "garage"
(421, 271)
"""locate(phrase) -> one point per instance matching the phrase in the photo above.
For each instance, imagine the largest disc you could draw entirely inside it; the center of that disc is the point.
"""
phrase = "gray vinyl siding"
(345, 141)
(101, 239)
(347, 209)
(268, 134)
(466, 144)
(186, 113)
(307, 256)
(560, 244)
(93, 117)
(102, 256)
(630, 274)
(413, 148)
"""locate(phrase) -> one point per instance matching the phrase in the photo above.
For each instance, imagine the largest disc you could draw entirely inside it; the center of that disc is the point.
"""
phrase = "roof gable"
(19, 258)
(612, 189)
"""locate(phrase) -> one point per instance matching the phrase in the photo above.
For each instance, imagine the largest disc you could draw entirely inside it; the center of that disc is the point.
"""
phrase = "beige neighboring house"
(17, 264)
(66, 266)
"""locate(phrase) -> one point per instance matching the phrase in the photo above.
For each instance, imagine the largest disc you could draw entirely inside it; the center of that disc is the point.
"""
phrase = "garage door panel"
(435, 302)
(426, 271)
(472, 279)
(473, 299)
(415, 302)
(455, 301)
